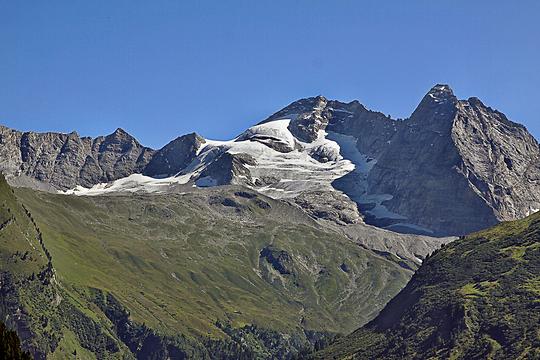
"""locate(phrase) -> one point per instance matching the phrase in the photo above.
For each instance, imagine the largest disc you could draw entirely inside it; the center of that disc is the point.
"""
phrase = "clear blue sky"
(160, 69)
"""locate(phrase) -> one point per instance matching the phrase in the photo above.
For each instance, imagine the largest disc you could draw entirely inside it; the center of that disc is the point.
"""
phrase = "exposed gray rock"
(324, 153)
(306, 125)
(329, 205)
(67, 160)
(227, 169)
(453, 167)
(280, 260)
(175, 156)
(120, 155)
(308, 116)
(500, 159)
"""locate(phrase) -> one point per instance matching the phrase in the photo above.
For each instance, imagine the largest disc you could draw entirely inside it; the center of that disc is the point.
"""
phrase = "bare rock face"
(455, 166)
(227, 169)
(280, 260)
(175, 156)
(419, 168)
(308, 116)
(500, 159)
(120, 155)
(67, 160)
(306, 125)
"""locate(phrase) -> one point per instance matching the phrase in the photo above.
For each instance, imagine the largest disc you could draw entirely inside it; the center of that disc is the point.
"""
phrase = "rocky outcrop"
(419, 169)
(308, 117)
(280, 260)
(64, 161)
(306, 125)
(227, 169)
(175, 156)
(500, 159)
(329, 205)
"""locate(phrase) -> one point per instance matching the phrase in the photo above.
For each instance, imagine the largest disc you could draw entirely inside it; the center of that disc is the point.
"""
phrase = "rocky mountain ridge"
(63, 161)
(453, 167)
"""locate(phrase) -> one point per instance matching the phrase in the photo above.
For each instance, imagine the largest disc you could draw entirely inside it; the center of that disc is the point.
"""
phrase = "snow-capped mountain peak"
(338, 161)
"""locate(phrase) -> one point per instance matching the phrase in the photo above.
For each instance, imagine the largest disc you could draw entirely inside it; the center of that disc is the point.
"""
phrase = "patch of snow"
(132, 183)
(347, 145)
(341, 110)
(296, 171)
(276, 130)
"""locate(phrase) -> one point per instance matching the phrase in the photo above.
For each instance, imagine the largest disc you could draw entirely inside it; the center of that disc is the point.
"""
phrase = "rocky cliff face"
(453, 167)
(500, 159)
(175, 156)
(64, 161)
(416, 165)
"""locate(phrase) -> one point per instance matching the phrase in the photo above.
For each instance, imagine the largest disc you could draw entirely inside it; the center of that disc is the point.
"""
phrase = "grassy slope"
(478, 297)
(18, 242)
(31, 300)
(179, 263)
(18, 237)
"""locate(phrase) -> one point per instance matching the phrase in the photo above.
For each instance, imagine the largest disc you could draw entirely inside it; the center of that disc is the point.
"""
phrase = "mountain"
(455, 166)
(476, 298)
(221, 272)
(272, 244)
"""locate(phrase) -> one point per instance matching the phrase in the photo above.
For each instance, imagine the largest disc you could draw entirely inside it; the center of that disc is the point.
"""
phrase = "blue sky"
(160, 68)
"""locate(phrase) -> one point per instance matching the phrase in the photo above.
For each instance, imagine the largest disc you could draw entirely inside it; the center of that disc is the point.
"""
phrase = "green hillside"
(477, 298)
(220, 273)
(48, 317)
